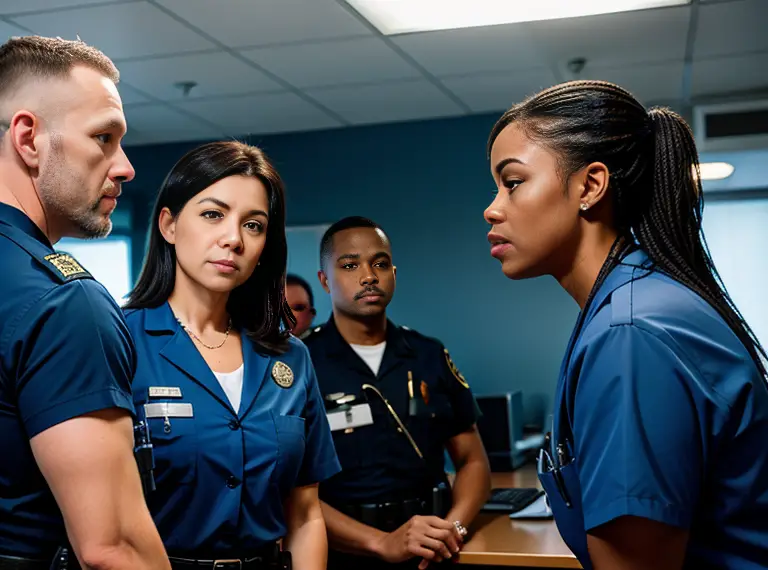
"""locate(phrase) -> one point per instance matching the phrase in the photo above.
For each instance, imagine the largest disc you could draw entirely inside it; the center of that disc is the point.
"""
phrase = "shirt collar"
(19, 220)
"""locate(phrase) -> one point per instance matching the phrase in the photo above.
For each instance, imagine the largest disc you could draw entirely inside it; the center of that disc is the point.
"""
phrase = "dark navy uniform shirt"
(667, 416)
(222, 475)
(64, 351)
(378, 462)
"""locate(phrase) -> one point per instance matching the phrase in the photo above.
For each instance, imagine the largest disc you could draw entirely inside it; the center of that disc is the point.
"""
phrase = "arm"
(89, 465)
(348, 535)
(74, 398)
(473, 476)
(426, 537)
(633, 543)
(638, 439)
(306, 538)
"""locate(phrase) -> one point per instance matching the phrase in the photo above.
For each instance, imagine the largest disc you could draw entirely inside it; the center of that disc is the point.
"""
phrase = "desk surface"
(498, 540)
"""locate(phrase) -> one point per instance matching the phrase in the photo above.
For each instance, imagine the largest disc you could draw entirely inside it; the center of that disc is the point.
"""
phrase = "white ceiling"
(265, 66)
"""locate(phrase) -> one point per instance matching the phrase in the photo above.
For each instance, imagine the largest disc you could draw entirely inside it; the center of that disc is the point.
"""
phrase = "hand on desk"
(431, 538)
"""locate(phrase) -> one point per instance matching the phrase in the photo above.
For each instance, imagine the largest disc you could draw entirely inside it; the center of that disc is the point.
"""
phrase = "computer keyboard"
(511, 500)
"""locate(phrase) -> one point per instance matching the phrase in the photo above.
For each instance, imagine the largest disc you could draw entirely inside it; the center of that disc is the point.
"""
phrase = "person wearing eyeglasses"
(300, 299)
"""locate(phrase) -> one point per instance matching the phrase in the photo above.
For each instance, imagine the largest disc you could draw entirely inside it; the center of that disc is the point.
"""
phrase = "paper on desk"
(539, 509)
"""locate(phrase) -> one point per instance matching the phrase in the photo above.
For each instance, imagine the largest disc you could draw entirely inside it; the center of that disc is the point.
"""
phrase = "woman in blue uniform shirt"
(657, 457)
(236, 419)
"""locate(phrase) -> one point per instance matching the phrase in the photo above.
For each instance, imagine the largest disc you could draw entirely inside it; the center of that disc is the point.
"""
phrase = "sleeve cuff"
(84, 404)
(637, 507)
(320, 473)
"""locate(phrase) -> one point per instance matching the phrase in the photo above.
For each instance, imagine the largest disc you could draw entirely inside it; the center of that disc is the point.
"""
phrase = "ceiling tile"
(7, 31)
(732, 28)
(653, 83)
(473, 50)
(215, 73)
(261, 114)
(135, 138)
(500, 90)
(119, 30)
(129, 95)
(729, 75)
(334, 63)
(160, 123)
(615, 39)
(395, 101)
(238, 23)
(22, 6)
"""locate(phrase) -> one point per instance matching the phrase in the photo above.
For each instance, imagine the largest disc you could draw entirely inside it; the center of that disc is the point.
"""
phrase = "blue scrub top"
(222, 475)
(65, 351)
(669, 419)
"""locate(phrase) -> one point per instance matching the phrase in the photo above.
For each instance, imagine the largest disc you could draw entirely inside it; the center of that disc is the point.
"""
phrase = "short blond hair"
(36, 57)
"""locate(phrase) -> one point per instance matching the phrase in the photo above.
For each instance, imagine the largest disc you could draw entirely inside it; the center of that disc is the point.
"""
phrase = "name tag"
(356, 416)
(168, 410)
(164, 392)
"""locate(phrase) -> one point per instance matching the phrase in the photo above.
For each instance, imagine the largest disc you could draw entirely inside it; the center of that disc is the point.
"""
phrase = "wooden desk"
(497, 540)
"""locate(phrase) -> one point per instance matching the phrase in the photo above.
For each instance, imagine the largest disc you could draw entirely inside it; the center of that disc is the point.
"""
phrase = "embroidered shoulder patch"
(455, 371)
(66, 267)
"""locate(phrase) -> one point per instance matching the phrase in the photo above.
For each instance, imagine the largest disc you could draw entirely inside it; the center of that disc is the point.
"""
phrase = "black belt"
(8, 562)
(270, 558)
(385, 516)
(16, 563)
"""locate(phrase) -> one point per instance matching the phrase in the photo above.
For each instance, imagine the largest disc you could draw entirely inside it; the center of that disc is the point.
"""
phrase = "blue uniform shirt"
(222, 475)
(64, 351)
(669, 420)
(378, 462)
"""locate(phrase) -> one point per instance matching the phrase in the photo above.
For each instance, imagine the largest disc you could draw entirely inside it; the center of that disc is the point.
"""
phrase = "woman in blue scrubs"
(236, 419)
(657, 457)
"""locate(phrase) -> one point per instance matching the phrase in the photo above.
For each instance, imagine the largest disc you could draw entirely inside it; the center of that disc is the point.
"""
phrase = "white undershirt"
(371, 355)
(232, 384)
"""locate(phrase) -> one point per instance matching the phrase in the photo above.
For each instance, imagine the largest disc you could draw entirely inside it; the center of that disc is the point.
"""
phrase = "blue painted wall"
(427, 183)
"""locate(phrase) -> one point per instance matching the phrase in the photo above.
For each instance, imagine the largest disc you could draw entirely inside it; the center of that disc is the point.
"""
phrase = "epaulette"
(310, 333)
(64, 267)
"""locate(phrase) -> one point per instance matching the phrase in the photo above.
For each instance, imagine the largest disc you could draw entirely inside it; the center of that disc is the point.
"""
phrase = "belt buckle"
(228, 564)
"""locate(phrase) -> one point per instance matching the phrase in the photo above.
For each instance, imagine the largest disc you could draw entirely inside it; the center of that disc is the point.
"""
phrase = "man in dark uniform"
(67, 470)
(395, 402)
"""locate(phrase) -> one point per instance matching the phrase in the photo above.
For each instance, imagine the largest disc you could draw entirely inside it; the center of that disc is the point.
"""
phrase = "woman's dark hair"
(258, 306)
(654, 181)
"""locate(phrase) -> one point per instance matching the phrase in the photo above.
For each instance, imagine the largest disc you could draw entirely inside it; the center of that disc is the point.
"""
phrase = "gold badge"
(455, 371)
(282, 374)
(65, 264)
(424, 392)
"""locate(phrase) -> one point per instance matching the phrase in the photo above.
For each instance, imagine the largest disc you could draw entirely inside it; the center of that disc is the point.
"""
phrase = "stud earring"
(584, 207)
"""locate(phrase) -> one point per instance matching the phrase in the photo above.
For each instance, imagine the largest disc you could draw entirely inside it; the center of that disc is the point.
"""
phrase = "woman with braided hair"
(658, 454)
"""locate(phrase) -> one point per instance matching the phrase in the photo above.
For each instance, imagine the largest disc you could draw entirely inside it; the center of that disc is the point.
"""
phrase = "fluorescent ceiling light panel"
(715, 170)
(403, 16)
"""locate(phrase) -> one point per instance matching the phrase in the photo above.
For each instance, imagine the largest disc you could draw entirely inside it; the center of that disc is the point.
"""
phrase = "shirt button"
(232, 481)
(234, 424)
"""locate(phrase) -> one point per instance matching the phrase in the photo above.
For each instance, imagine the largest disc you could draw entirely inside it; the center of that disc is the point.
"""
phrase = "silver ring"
(462, 530)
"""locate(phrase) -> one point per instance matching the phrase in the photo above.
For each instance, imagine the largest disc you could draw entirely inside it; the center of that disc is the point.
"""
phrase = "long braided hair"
(653, 178)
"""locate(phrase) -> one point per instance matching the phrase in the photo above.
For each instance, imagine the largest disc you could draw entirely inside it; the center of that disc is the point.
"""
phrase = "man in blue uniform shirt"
(67, 471)
(395, 401)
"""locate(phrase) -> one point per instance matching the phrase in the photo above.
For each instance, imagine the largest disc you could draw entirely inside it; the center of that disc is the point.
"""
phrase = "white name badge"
(164, 392)
(168, 410)
(356, 416)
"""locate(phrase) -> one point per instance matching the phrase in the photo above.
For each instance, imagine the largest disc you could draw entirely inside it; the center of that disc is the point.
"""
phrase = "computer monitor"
(500, 427)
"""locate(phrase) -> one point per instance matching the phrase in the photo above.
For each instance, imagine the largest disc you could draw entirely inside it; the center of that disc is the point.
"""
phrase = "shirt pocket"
(432, 423)
(291, 443)
(175, 445)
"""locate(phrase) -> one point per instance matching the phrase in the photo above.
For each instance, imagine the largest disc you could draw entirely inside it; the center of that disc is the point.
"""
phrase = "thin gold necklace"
(197, 338)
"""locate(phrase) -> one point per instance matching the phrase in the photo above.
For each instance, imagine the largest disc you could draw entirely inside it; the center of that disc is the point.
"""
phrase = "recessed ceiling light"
(403, 16)
(715, 170)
